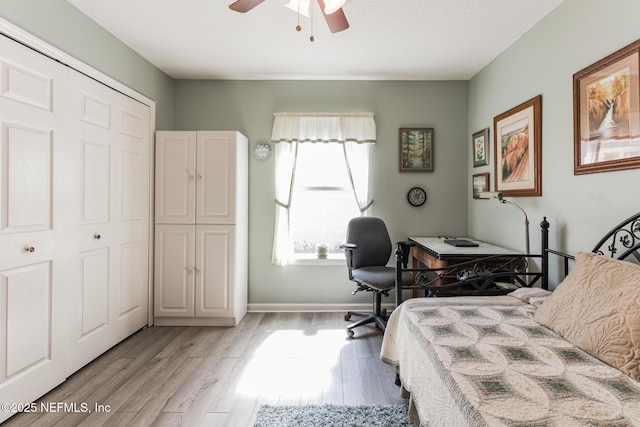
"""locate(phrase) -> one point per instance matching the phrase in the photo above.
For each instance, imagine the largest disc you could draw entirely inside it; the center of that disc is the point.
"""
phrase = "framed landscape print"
(517, 149)
(416, 149)
(480, 147)
(480, 184)
(606, 113)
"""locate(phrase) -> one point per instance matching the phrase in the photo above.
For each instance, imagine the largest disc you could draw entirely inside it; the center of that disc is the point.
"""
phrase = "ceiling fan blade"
(243, 6)
(337, 21)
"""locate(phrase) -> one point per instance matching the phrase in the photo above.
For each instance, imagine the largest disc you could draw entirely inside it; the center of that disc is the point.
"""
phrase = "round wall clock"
(416, 196)
(262, 151)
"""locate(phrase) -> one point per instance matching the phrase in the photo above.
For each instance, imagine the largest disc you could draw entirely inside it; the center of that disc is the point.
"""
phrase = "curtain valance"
(324, 127)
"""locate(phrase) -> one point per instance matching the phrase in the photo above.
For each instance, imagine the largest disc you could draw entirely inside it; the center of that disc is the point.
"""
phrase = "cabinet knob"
(97, 236)
(29, 249)
(199, 176)
(197, 270)
(189, 271)
(191, 176)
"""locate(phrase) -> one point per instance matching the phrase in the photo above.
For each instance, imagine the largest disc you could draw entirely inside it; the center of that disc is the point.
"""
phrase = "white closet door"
(112, 152)
(175, 177)
(131, 216)
(216, 178)
(32, 269)
(93, 139)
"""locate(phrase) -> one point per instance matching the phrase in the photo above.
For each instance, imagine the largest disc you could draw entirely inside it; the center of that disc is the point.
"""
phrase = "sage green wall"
(248, 106)
(580, 208)
(64, 27)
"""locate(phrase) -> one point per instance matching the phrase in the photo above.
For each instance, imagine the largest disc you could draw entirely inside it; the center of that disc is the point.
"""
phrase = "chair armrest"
(348, 252)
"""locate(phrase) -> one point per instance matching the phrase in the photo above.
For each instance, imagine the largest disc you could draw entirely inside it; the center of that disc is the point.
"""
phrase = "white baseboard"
(307, 308)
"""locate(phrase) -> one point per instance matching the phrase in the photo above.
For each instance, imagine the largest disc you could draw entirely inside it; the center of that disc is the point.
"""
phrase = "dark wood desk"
(433, 252)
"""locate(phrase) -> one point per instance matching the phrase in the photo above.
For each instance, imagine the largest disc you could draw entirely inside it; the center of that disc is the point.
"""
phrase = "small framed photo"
(480, 147)
(480, 184)
(416, 149)
(606, 113)
(517, 150)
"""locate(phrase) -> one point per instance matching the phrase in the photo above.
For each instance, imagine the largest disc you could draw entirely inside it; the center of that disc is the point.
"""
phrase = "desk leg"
(414, 265)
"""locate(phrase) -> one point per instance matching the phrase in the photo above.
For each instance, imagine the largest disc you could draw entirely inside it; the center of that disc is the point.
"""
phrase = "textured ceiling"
(387, 40)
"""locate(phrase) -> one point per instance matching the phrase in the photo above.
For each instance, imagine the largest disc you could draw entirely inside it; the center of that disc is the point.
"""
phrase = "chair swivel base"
(380, 320)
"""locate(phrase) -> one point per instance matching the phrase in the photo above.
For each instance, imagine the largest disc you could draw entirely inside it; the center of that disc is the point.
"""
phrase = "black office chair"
(368, 249)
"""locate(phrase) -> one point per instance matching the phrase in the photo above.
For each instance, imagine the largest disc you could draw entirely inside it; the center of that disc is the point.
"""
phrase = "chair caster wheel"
(347, 317)
(350, 333)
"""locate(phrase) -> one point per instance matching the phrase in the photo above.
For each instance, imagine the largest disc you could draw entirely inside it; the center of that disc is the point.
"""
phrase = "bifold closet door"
(112, 151)
(34, 258)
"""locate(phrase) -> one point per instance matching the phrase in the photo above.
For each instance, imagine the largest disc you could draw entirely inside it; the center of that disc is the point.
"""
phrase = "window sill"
(330, 261)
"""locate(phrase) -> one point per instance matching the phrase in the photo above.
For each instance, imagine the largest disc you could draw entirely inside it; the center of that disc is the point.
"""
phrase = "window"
(322, 200)
(322, 181)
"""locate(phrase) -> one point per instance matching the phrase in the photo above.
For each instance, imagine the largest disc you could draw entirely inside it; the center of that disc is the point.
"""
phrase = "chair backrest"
(372, 238)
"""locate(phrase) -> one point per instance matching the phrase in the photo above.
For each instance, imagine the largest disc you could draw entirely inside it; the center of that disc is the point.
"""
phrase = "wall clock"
(262, 151)
(416, 196)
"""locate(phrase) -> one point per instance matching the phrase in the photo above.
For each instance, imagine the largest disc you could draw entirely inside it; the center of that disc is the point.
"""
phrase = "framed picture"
(416, 149)
(480, 147)
(480, 184)
(517, 135)
(606, 113)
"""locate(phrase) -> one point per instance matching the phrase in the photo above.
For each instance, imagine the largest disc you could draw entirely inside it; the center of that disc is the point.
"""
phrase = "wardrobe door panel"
(216, 178)
(174, 270)
(175, 178)
(214, 272)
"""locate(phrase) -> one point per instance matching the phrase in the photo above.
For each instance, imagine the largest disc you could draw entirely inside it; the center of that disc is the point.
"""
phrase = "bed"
(528, 357)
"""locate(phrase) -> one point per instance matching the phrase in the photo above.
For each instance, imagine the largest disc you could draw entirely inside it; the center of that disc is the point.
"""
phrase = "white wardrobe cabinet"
(200, 177)
(201, 228)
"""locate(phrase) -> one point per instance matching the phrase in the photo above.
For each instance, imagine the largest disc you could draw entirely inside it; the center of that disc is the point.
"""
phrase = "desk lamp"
(498, 196)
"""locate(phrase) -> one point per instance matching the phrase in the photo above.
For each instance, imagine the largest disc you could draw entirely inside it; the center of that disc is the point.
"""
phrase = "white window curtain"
(357, 133)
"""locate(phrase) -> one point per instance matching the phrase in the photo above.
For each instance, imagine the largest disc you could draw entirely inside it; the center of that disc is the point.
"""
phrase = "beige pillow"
(597, 308)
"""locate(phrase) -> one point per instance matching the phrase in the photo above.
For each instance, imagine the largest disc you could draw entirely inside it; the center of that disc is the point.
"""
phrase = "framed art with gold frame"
(517, 149)
(606, 113)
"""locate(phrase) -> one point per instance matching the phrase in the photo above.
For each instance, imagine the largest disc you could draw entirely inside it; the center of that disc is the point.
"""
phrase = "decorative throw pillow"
(597, 308)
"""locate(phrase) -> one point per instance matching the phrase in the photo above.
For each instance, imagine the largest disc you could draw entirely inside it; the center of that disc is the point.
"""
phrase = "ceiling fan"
(331, 10)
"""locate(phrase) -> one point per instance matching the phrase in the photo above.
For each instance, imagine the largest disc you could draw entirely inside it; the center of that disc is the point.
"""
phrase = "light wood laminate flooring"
(217, 376)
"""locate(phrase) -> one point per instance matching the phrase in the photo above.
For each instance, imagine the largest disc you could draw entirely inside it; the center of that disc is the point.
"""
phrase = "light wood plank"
(219, 376)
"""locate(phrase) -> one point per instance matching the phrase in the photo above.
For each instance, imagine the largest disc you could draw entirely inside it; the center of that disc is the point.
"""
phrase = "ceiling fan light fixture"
(300, 6)
(331, 6)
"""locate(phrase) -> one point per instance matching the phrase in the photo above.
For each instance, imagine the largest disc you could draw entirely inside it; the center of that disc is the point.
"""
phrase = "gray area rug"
(333, 416)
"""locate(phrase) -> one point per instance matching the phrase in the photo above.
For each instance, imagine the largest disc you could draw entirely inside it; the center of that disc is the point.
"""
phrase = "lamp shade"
(301, 6)
(330, 6)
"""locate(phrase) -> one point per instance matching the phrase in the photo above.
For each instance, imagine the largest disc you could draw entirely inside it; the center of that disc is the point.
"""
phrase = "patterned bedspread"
(483, 361)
